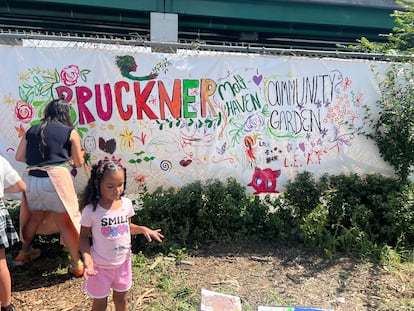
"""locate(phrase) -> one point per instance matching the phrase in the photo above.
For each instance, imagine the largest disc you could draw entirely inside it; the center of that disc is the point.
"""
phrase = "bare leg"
(5, 280)
(99, 304)
(29, 229)
(120, 301)
(68, 233)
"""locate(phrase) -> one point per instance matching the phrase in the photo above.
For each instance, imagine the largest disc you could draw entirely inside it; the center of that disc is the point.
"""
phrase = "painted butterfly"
(108, 146)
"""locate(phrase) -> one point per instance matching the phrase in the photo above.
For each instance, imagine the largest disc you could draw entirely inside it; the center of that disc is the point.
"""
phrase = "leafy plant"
(354, 214)
(303, 194)
(201, 213)
(400, 40)
(394, 128)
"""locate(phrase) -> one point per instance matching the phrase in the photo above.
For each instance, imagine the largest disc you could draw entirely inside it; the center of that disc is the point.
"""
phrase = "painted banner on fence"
(178, 118)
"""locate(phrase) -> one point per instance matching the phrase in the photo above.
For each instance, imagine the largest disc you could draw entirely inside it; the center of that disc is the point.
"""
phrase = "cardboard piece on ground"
(213, 301)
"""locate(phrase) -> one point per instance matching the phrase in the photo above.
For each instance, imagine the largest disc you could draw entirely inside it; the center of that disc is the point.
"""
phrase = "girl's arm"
(84, 244)
(19, 186)
(148, 233)
(85, 249)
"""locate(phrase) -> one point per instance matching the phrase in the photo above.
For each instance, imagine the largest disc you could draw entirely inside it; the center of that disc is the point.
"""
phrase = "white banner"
(173, 119)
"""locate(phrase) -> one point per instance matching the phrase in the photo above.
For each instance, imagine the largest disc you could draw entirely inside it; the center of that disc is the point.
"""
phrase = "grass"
(159, 282)
(162, 282)
(165, 292)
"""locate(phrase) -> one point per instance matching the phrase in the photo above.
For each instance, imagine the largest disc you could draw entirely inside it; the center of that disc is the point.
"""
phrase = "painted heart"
(257, 79)
(108, 146)
(302, 146)
(185, 162)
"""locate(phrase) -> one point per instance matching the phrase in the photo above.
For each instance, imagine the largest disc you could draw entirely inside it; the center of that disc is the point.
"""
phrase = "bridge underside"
(312, 24)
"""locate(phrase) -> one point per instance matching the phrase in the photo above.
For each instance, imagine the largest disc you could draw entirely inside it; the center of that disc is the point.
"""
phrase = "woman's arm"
(21, 150)
(76, 150)
(144, 78)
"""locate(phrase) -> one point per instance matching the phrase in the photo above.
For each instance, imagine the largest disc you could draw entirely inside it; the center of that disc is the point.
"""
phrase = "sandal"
(31, 254)
(76, 268)
(10, 307)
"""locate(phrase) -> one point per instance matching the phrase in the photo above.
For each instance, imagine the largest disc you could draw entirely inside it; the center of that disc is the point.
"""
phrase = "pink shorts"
(119, 279)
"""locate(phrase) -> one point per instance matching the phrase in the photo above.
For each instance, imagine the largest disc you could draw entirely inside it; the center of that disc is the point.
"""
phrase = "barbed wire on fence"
(135, 43)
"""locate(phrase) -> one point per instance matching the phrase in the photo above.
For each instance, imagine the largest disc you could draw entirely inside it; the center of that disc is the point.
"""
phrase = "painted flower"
(70, 75)
(254, 122)
(128, 140)
(23, 111)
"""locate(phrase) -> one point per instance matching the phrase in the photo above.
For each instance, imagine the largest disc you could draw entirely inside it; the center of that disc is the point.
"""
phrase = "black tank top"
(58, 145)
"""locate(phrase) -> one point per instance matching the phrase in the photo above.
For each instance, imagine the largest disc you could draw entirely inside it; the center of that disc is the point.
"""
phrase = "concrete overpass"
(308, 24)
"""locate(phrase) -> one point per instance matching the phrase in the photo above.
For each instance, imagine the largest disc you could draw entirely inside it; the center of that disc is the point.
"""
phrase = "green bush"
(200, 213)
(302, 194)
(356, 214)
(367, 216)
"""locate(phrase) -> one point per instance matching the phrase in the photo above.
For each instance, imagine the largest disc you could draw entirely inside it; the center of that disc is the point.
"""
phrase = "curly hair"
(91, 194)
(124, 63)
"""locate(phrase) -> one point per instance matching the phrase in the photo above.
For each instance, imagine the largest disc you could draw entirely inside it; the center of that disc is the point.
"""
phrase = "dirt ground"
(260, 274)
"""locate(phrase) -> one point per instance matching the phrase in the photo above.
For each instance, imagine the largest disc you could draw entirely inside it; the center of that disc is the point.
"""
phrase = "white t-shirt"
(111, 236)
(7, 173)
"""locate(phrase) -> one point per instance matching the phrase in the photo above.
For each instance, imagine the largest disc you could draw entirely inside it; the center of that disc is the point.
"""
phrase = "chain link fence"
(135, 43)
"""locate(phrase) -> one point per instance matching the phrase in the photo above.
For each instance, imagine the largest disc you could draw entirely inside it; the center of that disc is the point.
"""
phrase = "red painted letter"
(65, 91)
(104, 115)
(83, 94)
(141, 100)
(119, 86)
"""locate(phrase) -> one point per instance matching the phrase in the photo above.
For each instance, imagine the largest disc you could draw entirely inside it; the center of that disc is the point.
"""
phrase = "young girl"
(106, 216)
(8, 234)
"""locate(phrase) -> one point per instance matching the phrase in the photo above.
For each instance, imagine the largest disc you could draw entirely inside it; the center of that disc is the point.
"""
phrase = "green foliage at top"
(392, 123)
(400, 40)
(394, 129)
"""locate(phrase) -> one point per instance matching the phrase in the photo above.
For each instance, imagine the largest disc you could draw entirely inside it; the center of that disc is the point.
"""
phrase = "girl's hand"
(148, 233)
(153, 234)
(88, 268)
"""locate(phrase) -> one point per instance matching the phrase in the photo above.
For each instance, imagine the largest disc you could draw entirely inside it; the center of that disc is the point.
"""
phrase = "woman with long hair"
(49, 149)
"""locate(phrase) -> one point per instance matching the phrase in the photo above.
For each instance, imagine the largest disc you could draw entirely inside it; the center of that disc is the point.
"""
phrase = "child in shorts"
(106, 216)
(8, 234)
